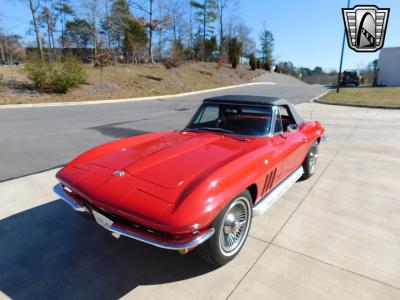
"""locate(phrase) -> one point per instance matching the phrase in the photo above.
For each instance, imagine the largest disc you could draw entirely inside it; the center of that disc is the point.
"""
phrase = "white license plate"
(102, 220)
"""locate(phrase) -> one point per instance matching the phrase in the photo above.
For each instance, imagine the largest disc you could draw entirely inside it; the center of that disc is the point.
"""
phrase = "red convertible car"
(198, 187)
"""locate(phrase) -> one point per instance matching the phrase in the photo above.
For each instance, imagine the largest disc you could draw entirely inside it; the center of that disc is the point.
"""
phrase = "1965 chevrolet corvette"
(198, 187)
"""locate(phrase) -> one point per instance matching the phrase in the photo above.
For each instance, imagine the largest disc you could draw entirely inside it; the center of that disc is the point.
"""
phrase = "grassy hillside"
(127, 81)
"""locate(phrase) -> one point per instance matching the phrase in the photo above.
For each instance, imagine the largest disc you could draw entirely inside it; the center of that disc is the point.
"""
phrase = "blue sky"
(308, 33)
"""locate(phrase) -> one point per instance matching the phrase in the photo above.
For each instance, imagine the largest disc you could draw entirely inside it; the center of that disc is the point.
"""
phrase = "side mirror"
(283, 136)
(292, 127)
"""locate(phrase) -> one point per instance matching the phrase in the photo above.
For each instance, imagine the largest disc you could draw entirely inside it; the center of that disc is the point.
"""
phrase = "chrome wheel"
(235, 226)
(313, 157)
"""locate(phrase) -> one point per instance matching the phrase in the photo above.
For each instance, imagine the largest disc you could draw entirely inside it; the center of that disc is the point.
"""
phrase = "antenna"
(311, 114)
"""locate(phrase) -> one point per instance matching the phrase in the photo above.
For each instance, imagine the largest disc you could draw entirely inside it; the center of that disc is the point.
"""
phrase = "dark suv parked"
(350, 77)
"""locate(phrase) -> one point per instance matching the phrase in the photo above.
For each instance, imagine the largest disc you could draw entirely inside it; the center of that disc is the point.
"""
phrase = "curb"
(316, 100)
(50, 104)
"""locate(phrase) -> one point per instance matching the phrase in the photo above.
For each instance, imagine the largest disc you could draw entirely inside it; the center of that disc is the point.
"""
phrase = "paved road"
(36, 139)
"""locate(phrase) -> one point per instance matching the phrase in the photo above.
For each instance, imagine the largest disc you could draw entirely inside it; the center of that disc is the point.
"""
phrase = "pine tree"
(253, 62)
(135, 37)
(267, 48)
(63, 10)
(118, 17)
(235, 49)
(206, 16)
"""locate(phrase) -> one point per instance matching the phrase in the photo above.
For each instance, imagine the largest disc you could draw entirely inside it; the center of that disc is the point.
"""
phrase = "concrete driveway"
(335, 236)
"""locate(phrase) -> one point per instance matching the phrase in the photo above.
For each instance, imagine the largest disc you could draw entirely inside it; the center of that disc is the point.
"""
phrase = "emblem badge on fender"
(365, 27)
(119, 173)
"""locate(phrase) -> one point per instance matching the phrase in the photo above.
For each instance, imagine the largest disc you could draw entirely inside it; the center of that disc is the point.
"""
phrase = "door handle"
(304, 138)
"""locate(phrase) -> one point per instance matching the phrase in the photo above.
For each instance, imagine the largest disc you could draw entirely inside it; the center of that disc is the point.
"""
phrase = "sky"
(307, 32)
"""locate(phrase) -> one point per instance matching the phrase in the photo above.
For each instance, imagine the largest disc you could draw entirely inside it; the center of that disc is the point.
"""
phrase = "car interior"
(284, 120)
(244, 120)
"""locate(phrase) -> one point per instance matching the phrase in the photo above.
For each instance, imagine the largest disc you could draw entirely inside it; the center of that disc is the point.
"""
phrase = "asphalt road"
(40, 138)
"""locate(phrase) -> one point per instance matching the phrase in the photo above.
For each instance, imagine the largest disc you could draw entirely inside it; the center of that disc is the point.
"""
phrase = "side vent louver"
(269, 181)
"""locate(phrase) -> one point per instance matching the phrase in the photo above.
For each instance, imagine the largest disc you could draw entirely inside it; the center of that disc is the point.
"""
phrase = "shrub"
(259, 64)
(221, 61)
(267, 65)
(235, 48)
(170, 63)
(57, 76)
(39, 72)
(235, 62)
(252, 62)
(67, 75)
(173, 61)
(1, 80)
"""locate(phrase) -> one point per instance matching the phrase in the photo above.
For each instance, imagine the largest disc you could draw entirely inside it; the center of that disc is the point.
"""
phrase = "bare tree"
(47, 19)
(221, 10)
(243, 34)
(174, 18)
(92, 12)
(223, 6)
(63, 10)
(10, 48)
(2, 57)
(102, 59)
(191, 29)
(34, 6)
(148, 8)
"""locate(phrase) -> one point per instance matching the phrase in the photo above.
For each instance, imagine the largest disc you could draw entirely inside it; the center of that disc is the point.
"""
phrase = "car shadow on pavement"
(118, 132)
(51, 252)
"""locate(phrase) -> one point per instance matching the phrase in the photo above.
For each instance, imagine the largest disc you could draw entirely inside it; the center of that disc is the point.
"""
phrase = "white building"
(389, 67)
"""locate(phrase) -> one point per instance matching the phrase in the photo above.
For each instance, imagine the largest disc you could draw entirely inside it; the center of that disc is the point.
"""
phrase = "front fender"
(204, 202)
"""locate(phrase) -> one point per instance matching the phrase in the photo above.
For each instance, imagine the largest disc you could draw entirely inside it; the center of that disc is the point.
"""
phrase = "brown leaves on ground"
(128, 81)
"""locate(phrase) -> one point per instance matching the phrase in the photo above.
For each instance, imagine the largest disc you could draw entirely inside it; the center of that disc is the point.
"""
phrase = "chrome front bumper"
(117, 229)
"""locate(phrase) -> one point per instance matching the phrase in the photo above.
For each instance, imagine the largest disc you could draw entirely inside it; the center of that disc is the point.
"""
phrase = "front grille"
(122, 220)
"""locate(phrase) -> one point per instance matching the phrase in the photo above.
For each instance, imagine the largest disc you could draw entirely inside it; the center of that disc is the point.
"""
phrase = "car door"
(274, 161)
(273, 165)
(293, 142)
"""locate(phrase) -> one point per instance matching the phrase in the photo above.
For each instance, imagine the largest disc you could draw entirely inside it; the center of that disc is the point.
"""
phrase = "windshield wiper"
(216, 129)
(209, 129)
(233, 136)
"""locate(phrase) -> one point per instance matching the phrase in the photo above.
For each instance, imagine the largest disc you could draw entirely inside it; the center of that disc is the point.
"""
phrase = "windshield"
(232, 118)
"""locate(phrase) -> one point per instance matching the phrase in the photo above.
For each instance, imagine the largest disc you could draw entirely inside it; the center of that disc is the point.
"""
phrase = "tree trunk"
(204, 30)
(49, 42)
(62, 31)
(151, 32)
(101, 75)
(160, 45)
(3, 59)
(37, 31)
(221, 31)
(94, 12)
(108, 26)
(53, 46)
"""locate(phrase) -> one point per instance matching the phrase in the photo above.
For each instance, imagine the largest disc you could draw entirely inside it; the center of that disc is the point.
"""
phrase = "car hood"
(157, 170)
(172, 160)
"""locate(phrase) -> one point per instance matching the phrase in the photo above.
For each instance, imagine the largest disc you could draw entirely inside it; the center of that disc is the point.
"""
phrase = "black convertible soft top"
(256, 100)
